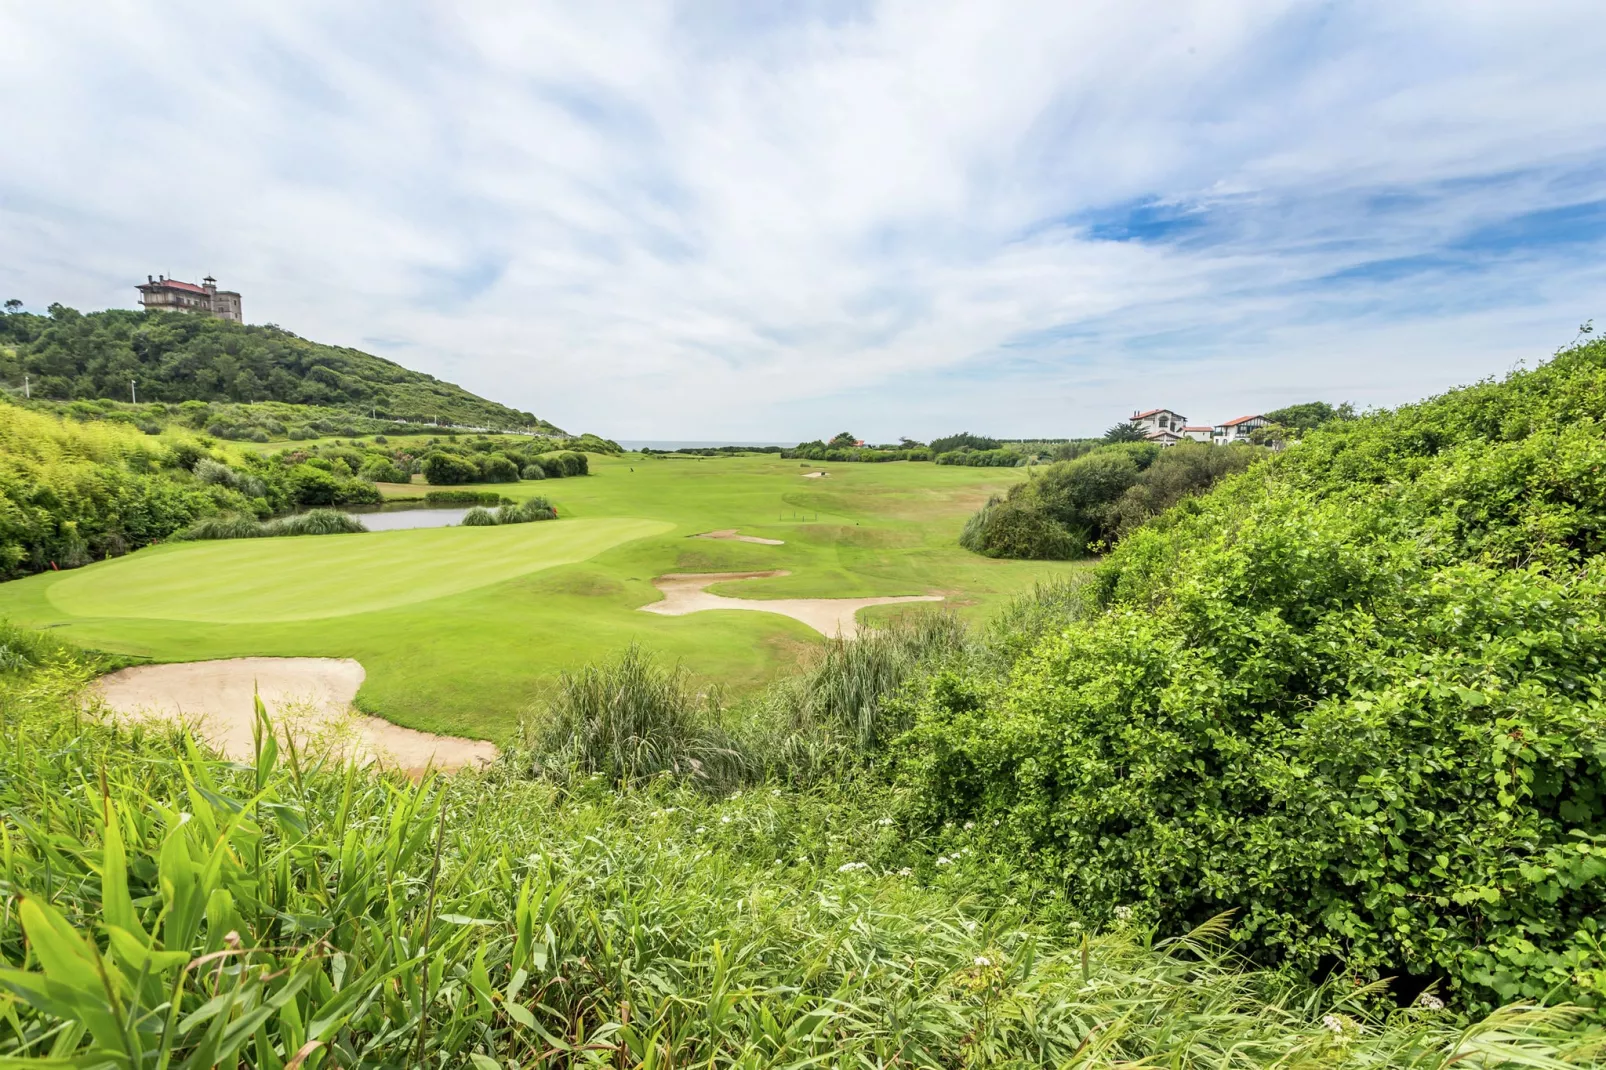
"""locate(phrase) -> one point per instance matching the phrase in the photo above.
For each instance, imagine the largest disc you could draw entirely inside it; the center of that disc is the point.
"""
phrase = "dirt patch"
(684, 593)
(730, 533)
(307, 698)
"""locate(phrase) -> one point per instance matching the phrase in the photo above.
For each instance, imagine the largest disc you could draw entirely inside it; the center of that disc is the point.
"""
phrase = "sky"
(735, 219)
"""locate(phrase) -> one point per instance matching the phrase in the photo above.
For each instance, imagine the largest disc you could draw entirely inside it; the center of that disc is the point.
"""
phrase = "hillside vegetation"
(1353, 695)
(177, 357)
(165, 908)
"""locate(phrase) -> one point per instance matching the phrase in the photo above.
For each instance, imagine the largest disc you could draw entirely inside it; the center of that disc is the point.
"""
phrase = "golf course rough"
(242, 580)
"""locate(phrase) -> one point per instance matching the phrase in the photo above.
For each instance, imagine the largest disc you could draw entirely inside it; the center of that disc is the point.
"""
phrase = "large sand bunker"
(815, 475)
(309, 698)
(730, 533)
(684, 593)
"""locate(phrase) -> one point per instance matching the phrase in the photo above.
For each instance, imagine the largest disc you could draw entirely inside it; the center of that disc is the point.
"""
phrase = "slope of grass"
(163, 908)
(463, 643)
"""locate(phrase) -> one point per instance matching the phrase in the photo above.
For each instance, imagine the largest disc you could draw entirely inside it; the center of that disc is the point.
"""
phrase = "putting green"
(246, 580)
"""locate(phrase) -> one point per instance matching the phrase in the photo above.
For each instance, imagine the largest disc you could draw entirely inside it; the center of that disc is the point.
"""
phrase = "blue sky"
(730, 220)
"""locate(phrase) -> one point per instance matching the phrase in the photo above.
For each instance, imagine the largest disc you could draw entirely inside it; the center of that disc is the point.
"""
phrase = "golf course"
(460, 628)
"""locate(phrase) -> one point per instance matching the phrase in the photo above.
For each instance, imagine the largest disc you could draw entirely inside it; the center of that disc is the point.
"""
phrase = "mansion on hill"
(170, 295)
(1167, 427)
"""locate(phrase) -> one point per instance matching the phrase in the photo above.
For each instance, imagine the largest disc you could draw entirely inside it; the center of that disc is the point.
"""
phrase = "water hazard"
(388, 518)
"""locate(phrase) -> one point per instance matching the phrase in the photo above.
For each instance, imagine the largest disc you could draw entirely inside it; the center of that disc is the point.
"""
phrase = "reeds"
(235, 526)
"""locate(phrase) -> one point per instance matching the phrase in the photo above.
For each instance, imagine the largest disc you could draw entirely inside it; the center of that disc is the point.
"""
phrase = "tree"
(13, 305)
(1310, 415)
(844, 440)
(446, 469)
(1127, 431)
(1269, 435)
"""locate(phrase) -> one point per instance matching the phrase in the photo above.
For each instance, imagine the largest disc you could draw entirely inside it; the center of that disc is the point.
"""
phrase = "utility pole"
(26, 392)
(133, 395)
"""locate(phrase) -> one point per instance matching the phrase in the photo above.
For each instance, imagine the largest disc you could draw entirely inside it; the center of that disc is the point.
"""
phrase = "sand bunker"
(730, 533)
(308, 698)
(684, 593)
(815, 475)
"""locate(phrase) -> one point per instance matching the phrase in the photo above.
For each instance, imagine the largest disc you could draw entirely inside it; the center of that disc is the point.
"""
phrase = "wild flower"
(1123, 913)
(906, 872)
(969, 825)
(943, 860)
(850, 867)
(884, 822)
(1428, 1001)
(724, 819)
(1333, 1024)
(702, 828)
(970, 926)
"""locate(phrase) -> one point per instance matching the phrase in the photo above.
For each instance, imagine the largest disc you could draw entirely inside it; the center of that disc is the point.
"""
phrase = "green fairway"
(251, 580)
(460, 628)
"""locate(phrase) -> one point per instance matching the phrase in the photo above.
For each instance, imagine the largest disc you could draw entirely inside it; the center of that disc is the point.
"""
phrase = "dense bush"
(1353, 694)
(464, 497)
(527, 511)
(532, 470)
(478, 517)
(1070, 508)
(446, 469)
(1019, 528)
(498, 468)
(994, 458)
(71, 493)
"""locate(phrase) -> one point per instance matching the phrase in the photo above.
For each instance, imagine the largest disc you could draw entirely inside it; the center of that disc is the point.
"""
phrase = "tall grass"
(629, 720)
(235, 526)
(163, 908)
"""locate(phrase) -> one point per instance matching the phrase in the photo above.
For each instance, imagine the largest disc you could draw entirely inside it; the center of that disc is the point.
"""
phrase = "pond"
(398, 518)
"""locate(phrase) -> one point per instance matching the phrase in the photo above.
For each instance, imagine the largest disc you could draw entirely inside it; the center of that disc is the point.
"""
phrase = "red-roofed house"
(1198, 432)
(1238, 430)
(171, 295)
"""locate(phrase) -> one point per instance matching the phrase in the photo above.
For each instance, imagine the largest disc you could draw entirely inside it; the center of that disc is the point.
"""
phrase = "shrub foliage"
(1353, 694)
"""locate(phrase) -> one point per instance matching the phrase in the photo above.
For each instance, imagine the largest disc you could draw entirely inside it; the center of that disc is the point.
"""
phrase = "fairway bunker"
(308, 698)
(730, 533)
(815, 475)
(684, 593)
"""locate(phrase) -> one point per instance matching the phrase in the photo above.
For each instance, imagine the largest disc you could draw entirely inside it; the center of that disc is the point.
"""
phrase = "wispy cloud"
(719, 219)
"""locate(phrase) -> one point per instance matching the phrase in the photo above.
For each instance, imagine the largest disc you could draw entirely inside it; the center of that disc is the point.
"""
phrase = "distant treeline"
(708, 451)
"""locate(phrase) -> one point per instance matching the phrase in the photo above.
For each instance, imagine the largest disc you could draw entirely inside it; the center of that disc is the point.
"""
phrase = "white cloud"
(662, 221)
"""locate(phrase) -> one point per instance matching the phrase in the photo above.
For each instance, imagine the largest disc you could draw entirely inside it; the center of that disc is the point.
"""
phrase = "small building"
(1199, 432)
(1238, 430)
(1160, 420)
(171, 295)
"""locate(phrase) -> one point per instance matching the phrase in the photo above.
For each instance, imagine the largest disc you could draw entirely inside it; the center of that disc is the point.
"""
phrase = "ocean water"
(690, 444)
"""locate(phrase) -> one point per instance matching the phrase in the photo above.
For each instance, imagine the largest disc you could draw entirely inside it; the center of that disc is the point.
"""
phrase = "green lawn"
(460, 627)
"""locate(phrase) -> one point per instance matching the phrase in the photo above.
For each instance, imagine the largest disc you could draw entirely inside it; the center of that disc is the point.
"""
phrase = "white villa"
(1167, 427)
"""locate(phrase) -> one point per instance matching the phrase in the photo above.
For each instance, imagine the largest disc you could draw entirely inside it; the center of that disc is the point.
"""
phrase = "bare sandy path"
(684, 593)
(309, 697)
(730, 533)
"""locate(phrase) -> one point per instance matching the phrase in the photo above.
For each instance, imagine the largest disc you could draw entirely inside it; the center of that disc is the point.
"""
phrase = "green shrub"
(532, 470)
(497, 468)
(1352, 694)
(464, 497)
(383, 470)
(478, 517)
(527, 511)
(446, 469)
(1019, 528)
(310, 485)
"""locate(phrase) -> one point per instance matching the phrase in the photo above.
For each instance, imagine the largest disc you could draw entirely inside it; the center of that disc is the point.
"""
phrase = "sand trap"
(307, 697)
(730, 533)
(815, 475)
(684, 593)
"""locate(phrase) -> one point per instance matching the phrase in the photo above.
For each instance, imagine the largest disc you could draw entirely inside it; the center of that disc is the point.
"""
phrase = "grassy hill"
(179, 357)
